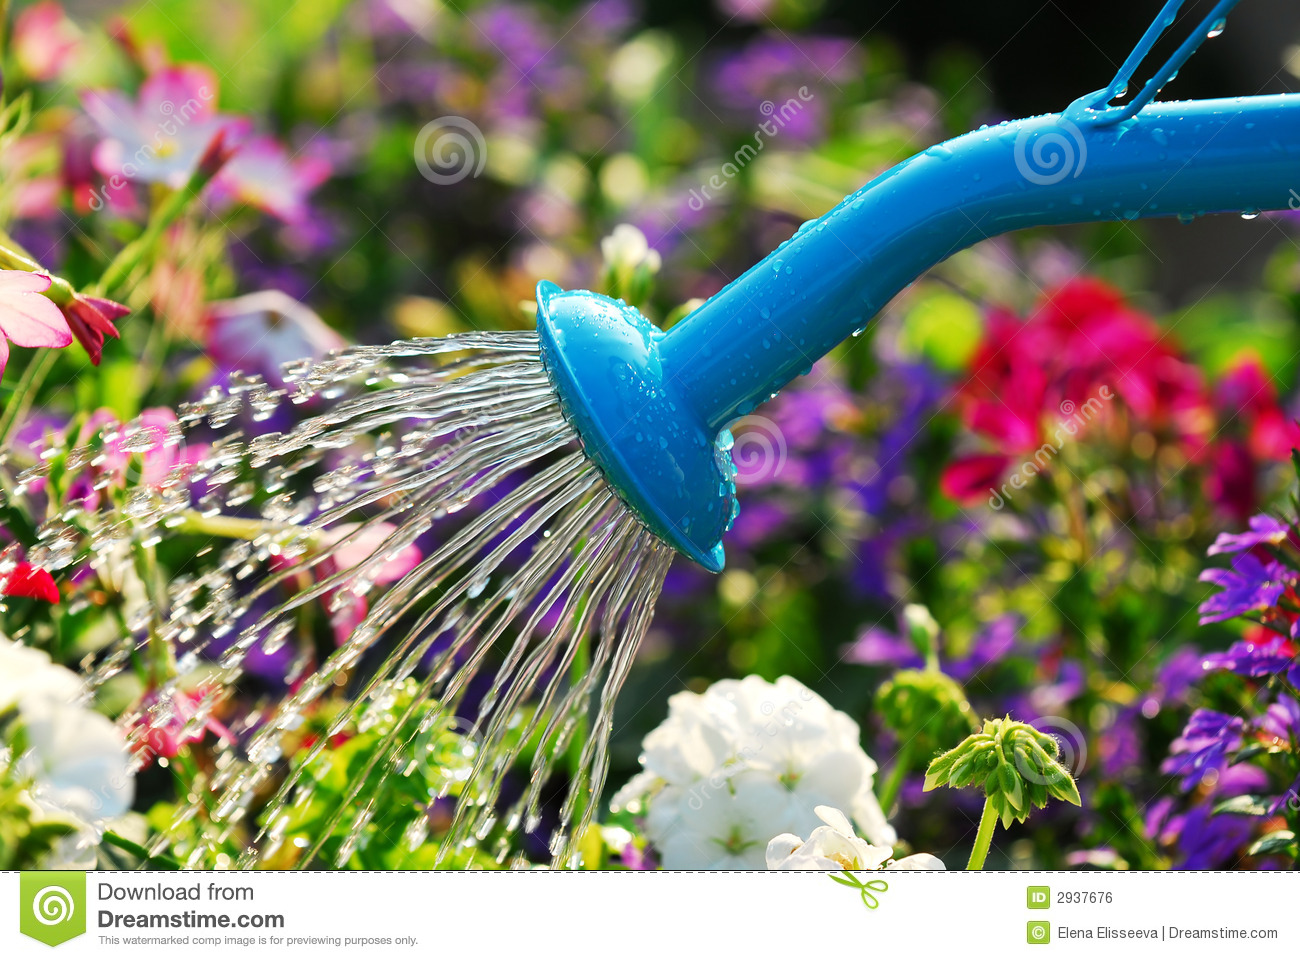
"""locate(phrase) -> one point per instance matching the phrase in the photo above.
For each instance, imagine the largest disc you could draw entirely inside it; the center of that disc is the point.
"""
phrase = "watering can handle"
(1092, 108)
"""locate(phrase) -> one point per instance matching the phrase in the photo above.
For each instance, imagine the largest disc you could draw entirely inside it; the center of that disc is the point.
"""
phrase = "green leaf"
(1280, 841)
(1249, 805)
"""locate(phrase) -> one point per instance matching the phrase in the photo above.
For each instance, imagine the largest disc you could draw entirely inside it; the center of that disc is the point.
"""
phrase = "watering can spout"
(649, 405)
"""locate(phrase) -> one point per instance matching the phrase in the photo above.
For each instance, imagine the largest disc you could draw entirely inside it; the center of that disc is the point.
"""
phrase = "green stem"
(118, 270)
(232, 528)
(984, 838)
(160, 651)
(38, 368)
(889, 790)
(130, 256)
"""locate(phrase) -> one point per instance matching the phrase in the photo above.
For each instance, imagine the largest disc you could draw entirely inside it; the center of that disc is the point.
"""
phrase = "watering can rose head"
(602, 356)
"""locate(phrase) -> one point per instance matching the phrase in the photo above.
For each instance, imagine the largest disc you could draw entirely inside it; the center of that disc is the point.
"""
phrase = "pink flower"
(26, 317)
(259, 332)
(163, 726)
(44, 41)
(161, 136)
(165, 451)
(264, 175)
(372, 562)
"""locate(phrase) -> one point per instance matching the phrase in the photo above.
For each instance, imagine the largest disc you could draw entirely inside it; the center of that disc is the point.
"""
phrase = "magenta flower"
(164, 726)
(262, 174)
(260, 332)
(161, 136)
(26, 317)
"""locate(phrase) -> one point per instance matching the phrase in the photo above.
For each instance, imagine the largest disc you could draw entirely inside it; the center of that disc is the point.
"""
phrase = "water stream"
(518, 623)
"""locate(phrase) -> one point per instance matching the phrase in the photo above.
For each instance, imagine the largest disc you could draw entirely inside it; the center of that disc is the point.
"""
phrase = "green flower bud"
(927, 709)
(1016, 765)
(922, 629)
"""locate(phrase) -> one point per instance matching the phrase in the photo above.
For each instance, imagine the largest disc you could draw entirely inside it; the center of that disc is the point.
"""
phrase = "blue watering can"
(650, 406)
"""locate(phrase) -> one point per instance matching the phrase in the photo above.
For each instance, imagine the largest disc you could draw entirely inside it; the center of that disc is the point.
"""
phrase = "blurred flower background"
(997, 500)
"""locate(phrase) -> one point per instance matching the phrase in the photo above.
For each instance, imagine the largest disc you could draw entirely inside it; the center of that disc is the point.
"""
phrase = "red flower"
(28, 581)
(1053, 375)
(967, 478)
(1247, 392)
(91, 320)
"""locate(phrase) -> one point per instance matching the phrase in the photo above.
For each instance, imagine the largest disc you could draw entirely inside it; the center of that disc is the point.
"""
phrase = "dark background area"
(1036, 57)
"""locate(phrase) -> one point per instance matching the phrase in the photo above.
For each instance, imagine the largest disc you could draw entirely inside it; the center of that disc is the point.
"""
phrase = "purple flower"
(1207, 841)
(1206, 741)
(161, 136)
(1249, 585)
(264, 175)
(1281, 719)
(879, 647)
(1119, 745)
(259, 332)
(1177, 675)
(1263, 529)
(1289, 798)
(1246, 659)
(994, 642)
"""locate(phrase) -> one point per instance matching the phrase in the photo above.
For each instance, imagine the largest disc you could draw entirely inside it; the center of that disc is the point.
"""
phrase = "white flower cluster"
(743, 762)
(76, 761)
(836, 847)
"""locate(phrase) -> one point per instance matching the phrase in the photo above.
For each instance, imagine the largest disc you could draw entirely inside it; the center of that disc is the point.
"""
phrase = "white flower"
(25, 671)
(76, 760)
(626, 248)
(745, 761)
(836, 847)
